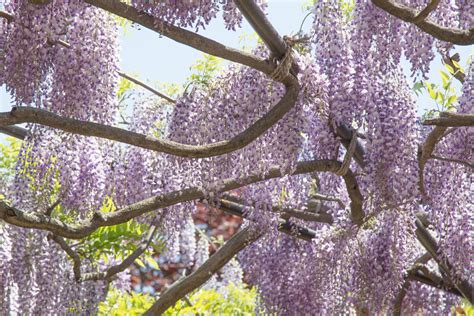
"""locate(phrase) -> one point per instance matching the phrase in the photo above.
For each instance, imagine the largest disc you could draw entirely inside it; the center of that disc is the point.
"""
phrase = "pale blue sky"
(157, 59)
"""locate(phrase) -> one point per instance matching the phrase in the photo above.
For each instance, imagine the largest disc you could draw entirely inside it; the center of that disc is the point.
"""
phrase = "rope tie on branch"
(348, 156)
(284, 65)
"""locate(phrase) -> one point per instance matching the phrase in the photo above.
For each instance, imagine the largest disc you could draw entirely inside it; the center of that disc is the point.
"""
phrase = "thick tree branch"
(14, 131)
(39, 116)
(187, 284)
(20, 218)
(450, 119)
(407, 14)
(183, 36)
(322, 197)
(430, 244)
(111, 271)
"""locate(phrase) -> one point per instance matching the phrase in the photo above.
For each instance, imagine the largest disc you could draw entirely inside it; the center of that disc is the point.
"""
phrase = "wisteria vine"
(54, 57)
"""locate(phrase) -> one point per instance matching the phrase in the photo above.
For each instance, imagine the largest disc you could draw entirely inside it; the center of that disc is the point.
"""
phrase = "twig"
(51, 208)
(458, 74)
(144, 85)
(111, 271)
(215, 262)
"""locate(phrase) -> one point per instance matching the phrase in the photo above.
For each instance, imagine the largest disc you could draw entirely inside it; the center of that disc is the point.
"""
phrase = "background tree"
(351, 203)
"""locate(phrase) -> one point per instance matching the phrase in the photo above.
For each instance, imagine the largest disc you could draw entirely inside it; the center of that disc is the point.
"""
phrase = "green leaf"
(152, 262)
(449, 68)
(456, 64)
(140, 263)
(431, 92)
(451, 100)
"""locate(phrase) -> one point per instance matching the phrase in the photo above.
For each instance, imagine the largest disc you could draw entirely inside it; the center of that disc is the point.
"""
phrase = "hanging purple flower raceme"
(193, 13)
(80, 82)
(30, 43)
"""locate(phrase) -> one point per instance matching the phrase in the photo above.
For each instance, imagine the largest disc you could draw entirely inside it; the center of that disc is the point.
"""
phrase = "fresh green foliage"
(444, 95)
(237, 300)
(8, 157)
(125, 304)
(117, 241)
(205, 70)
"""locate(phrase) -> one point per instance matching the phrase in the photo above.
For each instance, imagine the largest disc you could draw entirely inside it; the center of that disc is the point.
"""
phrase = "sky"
(153, 58)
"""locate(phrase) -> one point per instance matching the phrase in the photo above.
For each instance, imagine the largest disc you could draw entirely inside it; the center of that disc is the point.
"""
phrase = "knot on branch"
(284, 65)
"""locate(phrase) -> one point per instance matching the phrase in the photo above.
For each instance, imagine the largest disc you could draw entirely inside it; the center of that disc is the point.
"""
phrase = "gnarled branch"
(259, 22)
(407, 14)
(20, 218)
(33, 115)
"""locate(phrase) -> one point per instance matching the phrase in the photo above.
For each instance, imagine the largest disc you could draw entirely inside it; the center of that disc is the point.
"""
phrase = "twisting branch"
(407, 14)
(33, 115)
(183, 36)
(111, 271)
(187, 284)
(204, 44)
(450, 119)
(430, 244)
(442, 123)
(21, 218)
(420, 277)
